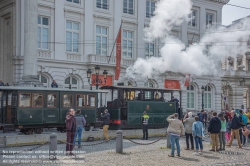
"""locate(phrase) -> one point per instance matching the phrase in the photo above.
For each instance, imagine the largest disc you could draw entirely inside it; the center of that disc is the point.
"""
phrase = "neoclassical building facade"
(236, 78)
(73, 36)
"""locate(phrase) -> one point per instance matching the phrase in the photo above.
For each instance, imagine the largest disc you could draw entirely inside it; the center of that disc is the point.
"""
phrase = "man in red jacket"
(71, 130)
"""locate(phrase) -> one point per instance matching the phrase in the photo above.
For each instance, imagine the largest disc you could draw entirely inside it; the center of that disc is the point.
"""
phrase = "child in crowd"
(222, 132)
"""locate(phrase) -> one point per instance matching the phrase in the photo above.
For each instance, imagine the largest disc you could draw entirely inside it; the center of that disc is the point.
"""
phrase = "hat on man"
(144, 112)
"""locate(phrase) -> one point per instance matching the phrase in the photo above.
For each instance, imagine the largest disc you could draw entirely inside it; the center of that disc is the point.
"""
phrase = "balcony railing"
(128, 11)
(73, 57)
(127, 62)
(103, 60)
(44, 54)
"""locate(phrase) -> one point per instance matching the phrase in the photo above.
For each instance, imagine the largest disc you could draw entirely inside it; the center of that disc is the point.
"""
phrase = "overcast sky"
(231, 13)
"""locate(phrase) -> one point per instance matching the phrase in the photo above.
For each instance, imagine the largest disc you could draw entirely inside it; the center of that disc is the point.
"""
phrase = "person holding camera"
(54, 84)
(175, 130)
(106, 118)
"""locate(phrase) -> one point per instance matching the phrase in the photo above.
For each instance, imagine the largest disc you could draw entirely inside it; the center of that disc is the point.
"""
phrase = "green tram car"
(32, 109)
(126, 110)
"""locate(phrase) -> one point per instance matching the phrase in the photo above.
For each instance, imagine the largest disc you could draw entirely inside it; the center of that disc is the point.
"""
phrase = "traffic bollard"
(168, 142)
(53, 146)
(119, 141)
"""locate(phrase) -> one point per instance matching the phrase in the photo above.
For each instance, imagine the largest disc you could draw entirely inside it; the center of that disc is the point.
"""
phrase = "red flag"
(187, 81)
(118, 54)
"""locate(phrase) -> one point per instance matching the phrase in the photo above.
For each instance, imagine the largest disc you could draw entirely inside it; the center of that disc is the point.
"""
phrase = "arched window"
(71, 81)
(190, 96)
(148, 93)
(207, 97)
(44, 80)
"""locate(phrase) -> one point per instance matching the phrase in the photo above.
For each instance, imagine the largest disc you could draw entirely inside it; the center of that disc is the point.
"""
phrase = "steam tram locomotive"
(32, 109)
(127, 109)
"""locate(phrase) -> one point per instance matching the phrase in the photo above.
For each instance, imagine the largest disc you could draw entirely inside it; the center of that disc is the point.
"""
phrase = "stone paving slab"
(133, 155)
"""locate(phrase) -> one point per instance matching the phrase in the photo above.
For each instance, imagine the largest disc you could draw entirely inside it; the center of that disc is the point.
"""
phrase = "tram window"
(14, 100)
(9, 98)
(91, 100)
(24, 99)
(80, 100)
(37, 100)
(51, 100)
(67, 100)
(4, 99)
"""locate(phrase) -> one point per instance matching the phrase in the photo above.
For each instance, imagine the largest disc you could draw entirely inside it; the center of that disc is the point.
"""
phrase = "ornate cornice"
(220, 1)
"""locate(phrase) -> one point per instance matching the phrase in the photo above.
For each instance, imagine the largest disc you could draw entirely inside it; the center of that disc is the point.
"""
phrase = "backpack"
(244, 119)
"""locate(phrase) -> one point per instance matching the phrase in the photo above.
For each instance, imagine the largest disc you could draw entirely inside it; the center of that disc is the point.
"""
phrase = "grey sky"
(231, 13)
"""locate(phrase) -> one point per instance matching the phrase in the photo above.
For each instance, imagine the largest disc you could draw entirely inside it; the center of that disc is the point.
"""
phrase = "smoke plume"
(202, 58)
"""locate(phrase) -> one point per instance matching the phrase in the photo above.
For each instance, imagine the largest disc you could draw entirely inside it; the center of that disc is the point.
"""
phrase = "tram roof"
(139, 88)
(50, 89)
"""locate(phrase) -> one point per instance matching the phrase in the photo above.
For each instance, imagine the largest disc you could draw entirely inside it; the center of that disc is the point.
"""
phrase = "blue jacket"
(240, 117)
(228, 127)
(197, 129)
(54, 85)
(214, 125)
(235, 124)
(202, 117)
(1, 84)
(199, 114)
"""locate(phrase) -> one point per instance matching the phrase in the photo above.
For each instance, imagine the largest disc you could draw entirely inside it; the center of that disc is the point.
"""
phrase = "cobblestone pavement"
(137, 155)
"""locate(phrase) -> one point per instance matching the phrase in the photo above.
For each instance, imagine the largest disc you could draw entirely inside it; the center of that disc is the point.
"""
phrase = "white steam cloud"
(168, 13)
(223, 41)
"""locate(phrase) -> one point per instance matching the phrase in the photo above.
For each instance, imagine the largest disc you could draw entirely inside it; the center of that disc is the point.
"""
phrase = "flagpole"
(115, 42)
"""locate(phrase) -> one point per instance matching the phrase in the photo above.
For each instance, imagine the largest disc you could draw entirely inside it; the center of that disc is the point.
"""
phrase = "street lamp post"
(97, 80)
(202, 96)
(225, 87)
(89, 76)
(97, 69)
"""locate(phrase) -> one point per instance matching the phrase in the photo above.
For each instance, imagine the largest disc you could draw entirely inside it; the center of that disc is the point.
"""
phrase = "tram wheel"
(38, 130)
(61, 129)
(29, 131)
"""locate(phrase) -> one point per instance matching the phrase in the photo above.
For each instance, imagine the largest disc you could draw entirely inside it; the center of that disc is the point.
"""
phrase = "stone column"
(30, 77)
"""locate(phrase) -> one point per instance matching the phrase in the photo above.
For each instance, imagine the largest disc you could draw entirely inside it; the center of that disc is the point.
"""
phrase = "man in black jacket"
(235, 127)
(214, 130)
(106, 119)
